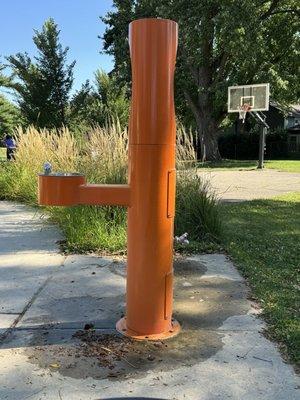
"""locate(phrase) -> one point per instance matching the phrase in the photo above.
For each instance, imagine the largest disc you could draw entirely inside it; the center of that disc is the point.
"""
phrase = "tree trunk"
(207, 128)
(207, 131)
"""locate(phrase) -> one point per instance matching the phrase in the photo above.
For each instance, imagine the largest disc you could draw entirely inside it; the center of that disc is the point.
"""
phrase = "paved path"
(253, 184)
(46, 299)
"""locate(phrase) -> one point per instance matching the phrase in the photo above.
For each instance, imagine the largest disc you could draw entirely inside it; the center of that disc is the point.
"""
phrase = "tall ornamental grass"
(19, 178)
(197, 210)
(101, 153)
(104, 154)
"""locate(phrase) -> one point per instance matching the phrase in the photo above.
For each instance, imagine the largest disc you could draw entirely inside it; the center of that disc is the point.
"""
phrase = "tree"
(84, 108)
(4, 80)
(101, 102)
(43, 85)
(220, 44)
(112, 96)
(10, 116)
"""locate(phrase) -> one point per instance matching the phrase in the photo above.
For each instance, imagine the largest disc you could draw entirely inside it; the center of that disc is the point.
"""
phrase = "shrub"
(197, 210)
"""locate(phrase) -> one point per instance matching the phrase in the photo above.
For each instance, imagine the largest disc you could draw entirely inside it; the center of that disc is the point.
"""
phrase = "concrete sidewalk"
(47, 299)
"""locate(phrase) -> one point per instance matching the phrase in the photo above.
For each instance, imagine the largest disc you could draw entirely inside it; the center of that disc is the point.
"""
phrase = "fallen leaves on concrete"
(110, 349)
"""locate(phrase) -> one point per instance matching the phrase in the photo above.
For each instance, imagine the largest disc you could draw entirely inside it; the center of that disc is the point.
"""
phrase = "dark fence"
(245, 146)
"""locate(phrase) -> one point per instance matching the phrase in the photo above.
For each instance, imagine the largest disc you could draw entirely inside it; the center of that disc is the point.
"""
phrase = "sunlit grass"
(263, 238)
(284, 165)
(281, 165)
(2, 154)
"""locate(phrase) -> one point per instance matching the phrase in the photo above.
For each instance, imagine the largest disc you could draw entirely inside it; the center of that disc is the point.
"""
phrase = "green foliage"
(91, 228)
(227, 164)
(220, 44)
(82, 108)
(113, 97)
(284, 165)
(100, 103)
(115, 37)
(4, 80)
(43, 85)
(102, 157)
(10, 117)
(262, 236)
(2, 155)
(33, 149)
(197, 210)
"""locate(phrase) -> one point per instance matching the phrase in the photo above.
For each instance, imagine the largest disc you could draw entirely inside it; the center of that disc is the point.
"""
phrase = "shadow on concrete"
(201, 306)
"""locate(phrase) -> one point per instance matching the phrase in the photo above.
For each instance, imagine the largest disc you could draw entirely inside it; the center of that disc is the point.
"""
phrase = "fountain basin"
(61, 189)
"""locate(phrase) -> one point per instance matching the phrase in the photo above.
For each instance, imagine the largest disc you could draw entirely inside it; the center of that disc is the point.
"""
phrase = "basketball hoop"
(243, 111)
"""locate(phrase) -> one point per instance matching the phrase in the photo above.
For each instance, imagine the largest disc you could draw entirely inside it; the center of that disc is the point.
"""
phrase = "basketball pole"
(262, 140)
(261, 119)
(261, 148)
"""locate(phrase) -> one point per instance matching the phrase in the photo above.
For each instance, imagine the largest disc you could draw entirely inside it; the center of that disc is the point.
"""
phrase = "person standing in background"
(10, 145)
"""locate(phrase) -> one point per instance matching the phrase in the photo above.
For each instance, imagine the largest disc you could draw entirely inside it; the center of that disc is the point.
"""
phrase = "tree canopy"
(43, 85)
(220, 44)
(4, 80)
(100, 102)
(10, 116)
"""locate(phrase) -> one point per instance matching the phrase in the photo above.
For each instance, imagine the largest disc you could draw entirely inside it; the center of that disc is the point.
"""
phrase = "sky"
(78, 21)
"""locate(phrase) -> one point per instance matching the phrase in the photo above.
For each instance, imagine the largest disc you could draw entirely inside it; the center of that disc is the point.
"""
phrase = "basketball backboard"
(255, 96)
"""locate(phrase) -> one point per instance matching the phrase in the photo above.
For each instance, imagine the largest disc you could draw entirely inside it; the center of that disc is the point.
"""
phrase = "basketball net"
(243, 111)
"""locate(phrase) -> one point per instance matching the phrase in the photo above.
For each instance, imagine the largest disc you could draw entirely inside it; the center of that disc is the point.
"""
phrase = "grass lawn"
(282, 165)
(263, 237)
(2, 153)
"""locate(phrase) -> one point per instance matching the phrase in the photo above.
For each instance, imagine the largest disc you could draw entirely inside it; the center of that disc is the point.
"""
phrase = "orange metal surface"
(122, 328)
(153, 45)
(59, 190)
(118, 195)
(150, 194)
(150, 239)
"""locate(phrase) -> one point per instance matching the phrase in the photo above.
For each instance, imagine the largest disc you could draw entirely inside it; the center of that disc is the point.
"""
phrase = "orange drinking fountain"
(150, 193)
